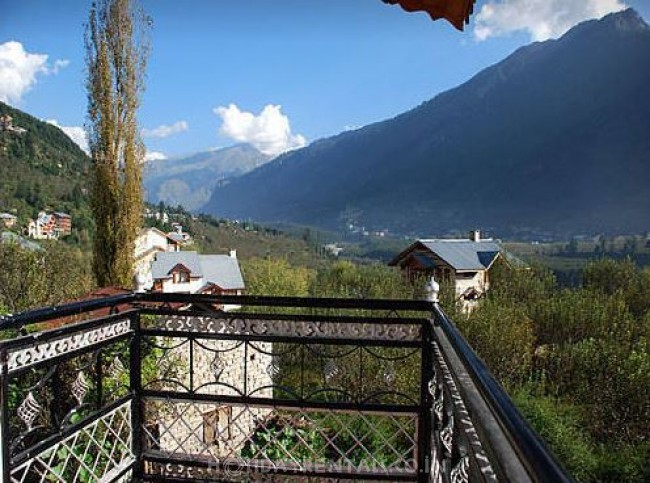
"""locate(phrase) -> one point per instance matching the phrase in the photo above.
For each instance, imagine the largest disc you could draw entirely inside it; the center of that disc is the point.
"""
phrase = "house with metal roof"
(466, 262)
(190, 272)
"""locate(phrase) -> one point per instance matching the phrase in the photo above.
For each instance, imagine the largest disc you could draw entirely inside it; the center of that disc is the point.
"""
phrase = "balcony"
(166, 387)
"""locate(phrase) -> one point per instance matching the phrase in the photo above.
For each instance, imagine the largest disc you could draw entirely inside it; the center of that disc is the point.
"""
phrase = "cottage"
(44, 227)
(465, 262)
(178, 236)
(189, 272)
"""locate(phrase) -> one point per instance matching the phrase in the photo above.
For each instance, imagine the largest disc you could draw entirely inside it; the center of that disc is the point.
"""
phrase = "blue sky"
(330, 64)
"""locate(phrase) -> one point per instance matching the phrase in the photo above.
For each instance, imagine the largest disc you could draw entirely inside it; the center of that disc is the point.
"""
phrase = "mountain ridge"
(526, 145)
(190, 180)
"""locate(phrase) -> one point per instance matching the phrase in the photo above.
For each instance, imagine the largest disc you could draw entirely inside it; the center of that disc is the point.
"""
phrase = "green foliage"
(31, 279)
(560, 425)
(251, 241)
(627, 463)
(569, 316)
(577, 360)
(612, 277)
(43, 169)
(116, 57)
(504, 337)
(611, 382)
(609, 276)
(281, 440)
(275, 277)
(319, 439)
(520, 285)
(344, 279)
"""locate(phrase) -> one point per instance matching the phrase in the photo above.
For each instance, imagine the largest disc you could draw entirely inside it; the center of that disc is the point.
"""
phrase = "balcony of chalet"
(166, 387)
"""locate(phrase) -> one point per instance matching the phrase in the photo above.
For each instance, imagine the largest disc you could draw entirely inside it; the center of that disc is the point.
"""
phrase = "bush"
(561, 427)
(344, 279)
(504, 337)
(275, 277)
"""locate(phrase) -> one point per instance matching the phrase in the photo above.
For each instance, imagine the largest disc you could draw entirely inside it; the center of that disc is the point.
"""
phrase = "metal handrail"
(302, 302)
(539, 461)
(23, 319)
(30, 317)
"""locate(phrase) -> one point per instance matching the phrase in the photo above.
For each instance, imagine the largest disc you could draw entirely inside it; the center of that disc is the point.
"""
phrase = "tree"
(36, 278)
(116, 56)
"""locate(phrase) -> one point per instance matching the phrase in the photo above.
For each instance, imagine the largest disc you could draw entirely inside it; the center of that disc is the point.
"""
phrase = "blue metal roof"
(465, 254)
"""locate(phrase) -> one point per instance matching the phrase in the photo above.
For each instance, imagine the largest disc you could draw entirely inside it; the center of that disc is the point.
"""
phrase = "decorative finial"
(432, 289)
(140, 282)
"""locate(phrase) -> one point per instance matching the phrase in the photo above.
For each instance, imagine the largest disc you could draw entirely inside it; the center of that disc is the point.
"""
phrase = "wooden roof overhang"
(457, 12)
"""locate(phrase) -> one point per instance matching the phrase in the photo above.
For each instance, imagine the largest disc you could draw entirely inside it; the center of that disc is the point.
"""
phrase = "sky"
(277, 74)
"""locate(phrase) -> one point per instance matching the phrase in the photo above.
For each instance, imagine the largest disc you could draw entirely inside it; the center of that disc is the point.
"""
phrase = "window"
(216, 425)
(181, 276)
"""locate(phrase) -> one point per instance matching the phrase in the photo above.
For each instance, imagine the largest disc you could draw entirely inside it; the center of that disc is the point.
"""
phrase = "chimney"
(233, 253)
(475, 235)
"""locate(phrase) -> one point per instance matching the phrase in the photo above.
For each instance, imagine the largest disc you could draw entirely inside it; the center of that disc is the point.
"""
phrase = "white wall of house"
(148, 240)
(168, 286)
(467, 280)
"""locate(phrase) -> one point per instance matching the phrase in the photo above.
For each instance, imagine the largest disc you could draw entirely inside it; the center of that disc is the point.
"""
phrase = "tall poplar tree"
(117, 48)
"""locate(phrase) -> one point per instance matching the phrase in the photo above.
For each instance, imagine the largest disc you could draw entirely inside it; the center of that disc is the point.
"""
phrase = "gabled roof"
(222, 270)
(166, 261)
(465, 254)
(459, 254)
(177, 237)
(424, 260)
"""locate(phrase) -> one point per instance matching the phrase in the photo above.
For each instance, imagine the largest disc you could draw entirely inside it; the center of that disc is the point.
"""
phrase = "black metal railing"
(169, 387)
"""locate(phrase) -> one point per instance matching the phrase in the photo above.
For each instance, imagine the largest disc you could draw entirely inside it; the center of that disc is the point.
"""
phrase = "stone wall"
(221, 368)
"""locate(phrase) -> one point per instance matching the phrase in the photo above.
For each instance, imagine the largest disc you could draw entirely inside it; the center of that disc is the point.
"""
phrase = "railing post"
(5, 436)
(425, 426)
(432, 290)
(135, 382)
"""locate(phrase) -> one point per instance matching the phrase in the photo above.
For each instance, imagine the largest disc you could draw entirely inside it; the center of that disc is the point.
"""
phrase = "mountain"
(553, 139)
(190, 181)
(42, 168)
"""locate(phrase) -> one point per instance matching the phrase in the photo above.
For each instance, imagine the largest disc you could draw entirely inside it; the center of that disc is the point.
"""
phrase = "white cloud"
(269, 131)
(58, 65)
(19, 68)
(154, 156)
(541, 19)
(164, 130)
(76, 133)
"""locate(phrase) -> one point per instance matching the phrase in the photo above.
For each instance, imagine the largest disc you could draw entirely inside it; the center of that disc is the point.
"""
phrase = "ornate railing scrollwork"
(196, 394)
